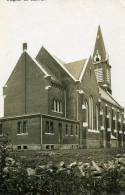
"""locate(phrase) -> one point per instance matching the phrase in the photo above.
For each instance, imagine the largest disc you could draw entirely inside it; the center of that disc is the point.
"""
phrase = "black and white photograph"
(62, 97)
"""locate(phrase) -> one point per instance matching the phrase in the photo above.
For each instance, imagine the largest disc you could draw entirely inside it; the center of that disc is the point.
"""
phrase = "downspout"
(41, 132)
(65, 101)
(77, 107)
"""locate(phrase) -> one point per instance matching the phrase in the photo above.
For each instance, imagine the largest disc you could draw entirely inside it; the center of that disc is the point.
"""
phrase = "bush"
(94, 178)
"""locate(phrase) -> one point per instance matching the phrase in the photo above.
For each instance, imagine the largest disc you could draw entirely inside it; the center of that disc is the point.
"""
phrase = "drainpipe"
(65, 101)
(41, 131)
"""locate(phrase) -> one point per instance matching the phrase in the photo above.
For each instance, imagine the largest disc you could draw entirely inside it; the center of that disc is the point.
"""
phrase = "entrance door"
(60, 133)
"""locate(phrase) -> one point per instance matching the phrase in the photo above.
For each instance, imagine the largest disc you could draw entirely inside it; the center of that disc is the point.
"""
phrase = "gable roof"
(75, 68)
(108, 97)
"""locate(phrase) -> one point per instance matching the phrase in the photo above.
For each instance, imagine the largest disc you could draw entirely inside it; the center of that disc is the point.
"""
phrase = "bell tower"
(101, 63)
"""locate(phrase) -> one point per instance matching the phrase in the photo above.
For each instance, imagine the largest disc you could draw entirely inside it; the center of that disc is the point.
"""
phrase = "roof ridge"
(84, 68)
(113, 98)
(76, 61)
(110, 96)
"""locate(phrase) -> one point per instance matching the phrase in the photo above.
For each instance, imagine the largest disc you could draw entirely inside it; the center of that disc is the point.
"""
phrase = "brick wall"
(36, 95)
(14, 103)
(33, 132)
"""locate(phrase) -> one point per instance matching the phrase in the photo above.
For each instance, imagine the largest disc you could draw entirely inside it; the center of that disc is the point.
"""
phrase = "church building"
(49, 104)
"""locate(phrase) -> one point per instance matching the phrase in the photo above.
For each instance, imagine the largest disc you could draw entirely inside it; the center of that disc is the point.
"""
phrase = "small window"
(24, 126)
(1, 129)
(18, 147)
(25, 147)
(66, 129)
(71, 129)
(51, 127)
(47, 147)
(19, 127)
(47, 127)
(52, 147)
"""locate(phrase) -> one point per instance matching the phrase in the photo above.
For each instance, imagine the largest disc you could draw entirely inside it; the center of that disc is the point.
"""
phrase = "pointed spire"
(99, 50)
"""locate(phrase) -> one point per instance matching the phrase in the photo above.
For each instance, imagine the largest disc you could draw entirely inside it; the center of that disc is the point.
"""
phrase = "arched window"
(102, 118)
(57, 106)
(91, 113)
(85, 112)
(114, 121)
(97, 118)
(86, 105)
(108, 120)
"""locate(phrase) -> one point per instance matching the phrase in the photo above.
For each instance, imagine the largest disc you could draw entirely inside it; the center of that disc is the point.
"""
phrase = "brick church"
(49, 104)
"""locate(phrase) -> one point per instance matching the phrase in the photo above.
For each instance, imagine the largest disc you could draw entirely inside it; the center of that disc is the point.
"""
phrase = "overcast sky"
(67, 28)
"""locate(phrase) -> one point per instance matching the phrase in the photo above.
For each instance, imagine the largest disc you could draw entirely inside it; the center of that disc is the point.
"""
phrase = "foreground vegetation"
(24, 176)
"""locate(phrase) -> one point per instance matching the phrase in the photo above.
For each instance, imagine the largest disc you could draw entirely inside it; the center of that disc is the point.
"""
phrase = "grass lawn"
(68, 156)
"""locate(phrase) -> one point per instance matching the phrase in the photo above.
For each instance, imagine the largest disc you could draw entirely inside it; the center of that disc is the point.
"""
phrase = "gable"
(18, 69)
(89, 81)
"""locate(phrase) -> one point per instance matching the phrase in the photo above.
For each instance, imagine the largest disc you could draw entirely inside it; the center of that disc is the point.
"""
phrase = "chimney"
(24, 46)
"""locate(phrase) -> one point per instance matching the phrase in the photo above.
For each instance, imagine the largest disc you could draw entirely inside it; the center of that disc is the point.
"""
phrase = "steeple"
(99, 53)
(101, 63)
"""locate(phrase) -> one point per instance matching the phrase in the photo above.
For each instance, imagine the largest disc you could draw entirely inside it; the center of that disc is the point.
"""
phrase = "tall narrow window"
(24, 126)
(102, 118)
(86, 105)
(19, 127)
(91, 113)
(108, 120)
(1, 129)
(114, 122)
(97, 118)
(54, 105)
(76, 130)
(60, 106)
(51, 127)
(66, 129)
(47, 126)
(71, 129)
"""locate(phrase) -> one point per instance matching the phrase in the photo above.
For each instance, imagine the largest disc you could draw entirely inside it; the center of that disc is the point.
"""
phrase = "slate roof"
(75, 68)
(108, 97)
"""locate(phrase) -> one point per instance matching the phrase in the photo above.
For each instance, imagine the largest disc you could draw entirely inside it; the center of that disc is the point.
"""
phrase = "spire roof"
(99, 49)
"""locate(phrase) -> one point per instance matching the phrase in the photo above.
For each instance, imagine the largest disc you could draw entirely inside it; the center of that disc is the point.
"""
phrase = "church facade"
(49, 104)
